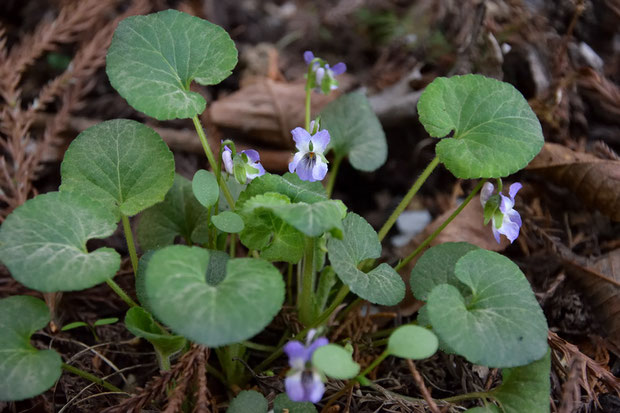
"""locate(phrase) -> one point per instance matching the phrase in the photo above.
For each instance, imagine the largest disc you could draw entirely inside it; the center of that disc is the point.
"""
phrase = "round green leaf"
(500, 324)
(282, 404)
(178, 215)
(153, 60)
(313, 219)
(412, 342)
(436, 267)
(120, 163)
(496, 133)
(141, 324)
(248, 401)
(525, 388)
(25, 371)
(43, 243)
(382, 285)
(355, 131)
(335, 361)
(235, 309)
(228, 221)
(205, 187)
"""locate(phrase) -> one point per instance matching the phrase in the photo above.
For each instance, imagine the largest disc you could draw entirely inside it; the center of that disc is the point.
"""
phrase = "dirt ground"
(562, 55)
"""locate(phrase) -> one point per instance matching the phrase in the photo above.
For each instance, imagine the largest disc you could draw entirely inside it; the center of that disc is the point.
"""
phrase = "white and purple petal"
(302, 138)
(227, 159)
(308, 56)
(320, 140)
(314, 388)
(339, 68)
(320, 170)
(514, 188)
(294, 387)
(506, 204)
(485, 194)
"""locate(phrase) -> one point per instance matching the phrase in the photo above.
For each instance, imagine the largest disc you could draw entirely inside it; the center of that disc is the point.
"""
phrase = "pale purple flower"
(506, 220)
(309, 162)
(250, 160)
(304, 383)
(324, 75)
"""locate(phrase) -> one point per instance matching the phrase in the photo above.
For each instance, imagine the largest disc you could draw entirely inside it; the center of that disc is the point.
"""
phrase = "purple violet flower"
(309, 162)
(500, 209)
(304, 383)
(323, 76)
(248, 161)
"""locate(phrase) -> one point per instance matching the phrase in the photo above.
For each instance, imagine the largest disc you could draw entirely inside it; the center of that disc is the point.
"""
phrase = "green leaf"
(248, 401)
(496, 133)
(486, 409)
(237, 308)
(153, 60)
(141, 324)
(25, 371)
(178, 215)
(355, 131)
(205, 188)
(335, 361)
(120, 163)
(436, 267)
(43, 243)
(313, 219)
(412, 342)
(105, 321)
(228, 221)
(525, 388)
(141, 279)
(264, 231)
(382, 285)
(288, 184)
(75, 324)
(282, 403)
(500, 324)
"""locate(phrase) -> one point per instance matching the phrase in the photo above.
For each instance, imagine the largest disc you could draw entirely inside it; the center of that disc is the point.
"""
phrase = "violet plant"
(478, 303)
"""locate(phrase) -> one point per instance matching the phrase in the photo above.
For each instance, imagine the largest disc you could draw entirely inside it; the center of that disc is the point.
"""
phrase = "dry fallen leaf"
(600, 284)
(595, 181)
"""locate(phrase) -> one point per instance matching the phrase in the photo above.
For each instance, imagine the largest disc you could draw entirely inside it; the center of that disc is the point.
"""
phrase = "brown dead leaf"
(268, 110)
(595, 181)
(600, 284)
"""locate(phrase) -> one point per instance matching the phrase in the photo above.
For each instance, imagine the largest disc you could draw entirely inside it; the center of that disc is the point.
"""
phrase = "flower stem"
(441, 227)
(131, 246)
(374, 364)
(305, 301)
(408, 197)
(119, 291)
(308, 107)
(466, 396)
(91, 377)
(332, 175)
(212, 161)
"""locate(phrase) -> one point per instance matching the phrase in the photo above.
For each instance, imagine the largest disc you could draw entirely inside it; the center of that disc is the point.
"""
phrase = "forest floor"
(562, 55)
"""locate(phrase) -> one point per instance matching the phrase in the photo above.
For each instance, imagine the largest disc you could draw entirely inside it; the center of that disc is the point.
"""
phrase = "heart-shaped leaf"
(496, 133)
(120, 163)
(141, 324)
(360, 242)
(288, 184)
(205, 188)
(43, 243)
(228, 221)
(335, 361)
(25, 371)
(264, 231)
(355, 131)
(525, 388)
(436, 267)
(500, 324)
(412, 342)
(235, 309)
(248, 401)
(282, 404)
(178, 215)
(153, 60)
